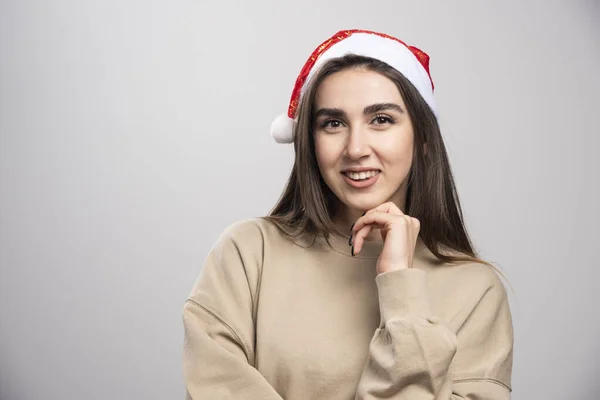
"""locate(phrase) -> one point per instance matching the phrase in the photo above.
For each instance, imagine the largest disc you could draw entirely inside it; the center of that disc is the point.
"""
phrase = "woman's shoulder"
(477, 277)
(253, 232)
(468, 275)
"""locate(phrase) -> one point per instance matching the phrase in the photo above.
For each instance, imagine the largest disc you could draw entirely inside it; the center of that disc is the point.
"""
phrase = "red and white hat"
(410, 61)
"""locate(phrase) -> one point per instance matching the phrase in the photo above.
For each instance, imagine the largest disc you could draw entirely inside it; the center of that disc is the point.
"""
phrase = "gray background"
(133, 132)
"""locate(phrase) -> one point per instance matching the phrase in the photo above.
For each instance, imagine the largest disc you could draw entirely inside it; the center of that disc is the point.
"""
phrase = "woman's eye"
(382, 120)
(332, 123)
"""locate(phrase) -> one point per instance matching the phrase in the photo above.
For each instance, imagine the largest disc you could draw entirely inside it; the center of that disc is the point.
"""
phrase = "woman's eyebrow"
(372, 109)
(375, 108)
(330, 112)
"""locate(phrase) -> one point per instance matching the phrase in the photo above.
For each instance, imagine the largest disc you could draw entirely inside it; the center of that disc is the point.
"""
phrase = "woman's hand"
(399, 233)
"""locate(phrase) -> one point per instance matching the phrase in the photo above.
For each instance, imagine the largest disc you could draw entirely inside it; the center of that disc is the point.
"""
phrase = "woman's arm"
(218, 320)
(414, 355)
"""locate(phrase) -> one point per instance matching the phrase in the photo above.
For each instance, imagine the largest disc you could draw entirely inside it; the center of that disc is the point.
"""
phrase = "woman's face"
(363, 139)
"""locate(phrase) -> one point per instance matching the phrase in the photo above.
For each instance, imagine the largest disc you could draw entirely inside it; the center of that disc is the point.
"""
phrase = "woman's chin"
(363, 204)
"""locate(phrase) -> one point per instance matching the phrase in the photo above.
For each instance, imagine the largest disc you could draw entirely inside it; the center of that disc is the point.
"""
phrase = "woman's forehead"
(355, 89)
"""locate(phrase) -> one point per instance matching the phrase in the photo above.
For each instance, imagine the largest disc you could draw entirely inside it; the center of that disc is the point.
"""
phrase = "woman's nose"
(357, 145)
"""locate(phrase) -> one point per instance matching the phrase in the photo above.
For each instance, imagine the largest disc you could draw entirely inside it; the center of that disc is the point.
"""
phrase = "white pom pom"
(282, 129)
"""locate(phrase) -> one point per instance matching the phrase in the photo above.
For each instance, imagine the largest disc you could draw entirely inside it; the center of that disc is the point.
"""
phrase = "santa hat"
(408, 60)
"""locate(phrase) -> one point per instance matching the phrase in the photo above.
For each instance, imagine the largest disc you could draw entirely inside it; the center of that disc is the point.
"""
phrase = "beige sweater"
(270, 318)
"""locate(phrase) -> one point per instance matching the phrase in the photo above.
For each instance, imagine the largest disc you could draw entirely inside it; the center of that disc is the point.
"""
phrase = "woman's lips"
(363, 183)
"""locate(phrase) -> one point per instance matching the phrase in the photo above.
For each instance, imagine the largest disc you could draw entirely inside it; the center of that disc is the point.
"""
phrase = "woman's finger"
(373, 219)
(389, 207)
(358, 238)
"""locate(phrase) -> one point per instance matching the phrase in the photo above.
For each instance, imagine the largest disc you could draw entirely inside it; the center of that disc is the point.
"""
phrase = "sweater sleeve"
(414, 355)
(218, 319)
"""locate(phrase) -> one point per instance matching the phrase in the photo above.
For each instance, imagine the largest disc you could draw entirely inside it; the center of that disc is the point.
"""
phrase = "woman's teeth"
(359, 176)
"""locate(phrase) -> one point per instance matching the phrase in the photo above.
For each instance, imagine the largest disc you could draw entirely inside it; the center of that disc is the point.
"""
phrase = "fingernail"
(352, 250)
(352, 226)
(350, 241)
(363, 214)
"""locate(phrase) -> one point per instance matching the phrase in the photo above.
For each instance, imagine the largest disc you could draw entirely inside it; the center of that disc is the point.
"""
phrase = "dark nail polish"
(364, 214)
(352, 251)
(350, 241)
(352, 226)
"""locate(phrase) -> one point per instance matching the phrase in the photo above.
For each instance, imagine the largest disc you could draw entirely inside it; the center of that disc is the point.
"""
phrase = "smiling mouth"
(361, 176)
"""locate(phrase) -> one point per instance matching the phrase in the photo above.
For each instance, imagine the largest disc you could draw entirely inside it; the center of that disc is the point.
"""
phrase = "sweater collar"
(370, 249)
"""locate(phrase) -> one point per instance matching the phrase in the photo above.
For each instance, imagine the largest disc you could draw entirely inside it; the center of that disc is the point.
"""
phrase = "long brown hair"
(307, 204)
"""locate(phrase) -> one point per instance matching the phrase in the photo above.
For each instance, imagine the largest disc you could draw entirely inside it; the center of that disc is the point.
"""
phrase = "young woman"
(362, 283)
